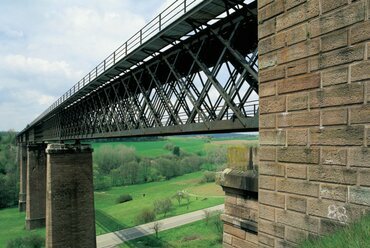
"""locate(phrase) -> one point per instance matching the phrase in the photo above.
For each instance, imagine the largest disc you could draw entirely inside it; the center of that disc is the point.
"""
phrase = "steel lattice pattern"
(203, 83)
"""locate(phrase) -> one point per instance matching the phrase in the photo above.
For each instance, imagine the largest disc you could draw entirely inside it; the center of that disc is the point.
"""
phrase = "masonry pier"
(22, 176)
(70, 215)
(36, 186)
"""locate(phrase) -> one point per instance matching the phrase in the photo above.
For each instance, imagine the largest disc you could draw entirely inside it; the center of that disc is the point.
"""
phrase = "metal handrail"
(156, 25)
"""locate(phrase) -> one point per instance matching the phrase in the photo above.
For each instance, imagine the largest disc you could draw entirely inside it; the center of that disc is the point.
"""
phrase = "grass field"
(356, 235)
(194, 235)
(156, 148)
(111, 216)
(12, 226)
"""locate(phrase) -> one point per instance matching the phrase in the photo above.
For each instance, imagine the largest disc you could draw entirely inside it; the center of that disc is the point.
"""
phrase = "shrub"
(123, 198)
(208, 176)
(169, 146)
(34, 241)
(163, 205)
(146, 215)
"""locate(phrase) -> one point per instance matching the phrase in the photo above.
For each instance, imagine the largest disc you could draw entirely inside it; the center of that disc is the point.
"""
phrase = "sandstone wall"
(314, 88)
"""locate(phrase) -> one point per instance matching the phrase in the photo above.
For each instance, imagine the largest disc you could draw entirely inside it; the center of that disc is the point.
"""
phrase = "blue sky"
(46, 46)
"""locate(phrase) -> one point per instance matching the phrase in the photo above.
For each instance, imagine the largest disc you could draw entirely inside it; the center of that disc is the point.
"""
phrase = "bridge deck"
(171, 27)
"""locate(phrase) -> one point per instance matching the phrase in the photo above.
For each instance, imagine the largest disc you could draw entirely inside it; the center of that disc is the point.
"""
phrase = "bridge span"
(192, 69)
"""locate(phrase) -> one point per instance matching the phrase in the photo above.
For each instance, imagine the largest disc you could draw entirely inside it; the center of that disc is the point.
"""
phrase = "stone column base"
(21, 206)
(35, 223)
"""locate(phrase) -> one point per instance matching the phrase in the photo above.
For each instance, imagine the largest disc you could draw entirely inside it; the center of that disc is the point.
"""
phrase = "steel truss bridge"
(192, 69)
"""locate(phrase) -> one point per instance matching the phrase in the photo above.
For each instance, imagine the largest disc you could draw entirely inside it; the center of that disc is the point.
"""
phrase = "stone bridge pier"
(56, 191)
(36, 186)
(22, 159)
(70, 214)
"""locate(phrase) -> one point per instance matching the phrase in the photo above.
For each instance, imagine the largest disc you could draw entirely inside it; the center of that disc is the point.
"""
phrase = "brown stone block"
(296, 171)
(296, 34)
(266, 28)
(277, 72)
(297, 137)
(226, 238)
(263, 3)
(360, 71)
(298, 119)
(266, 240)
(334, 117)
(333, 192)
(272, 137)
(297, 101)
(266, 212)
(296, 154)
(338, 75)
(271, 198)
(272, 104)
(328, 5)
(267, 121)
(299, 83)
(298, 51)
(271, 169)
(359, 195)
(341, 18)
(359, 157)
(267, 89)
(280, 243)
(360, 114)
(297, 220)
(299, 187)
(267, 153)
(335, 40)
(230, 198)
(240, 243)
(295, 235)
(341, 56)
(360, 32)
(337, 95)
(297, 204)
(329, 226)
(271, 228)
(244, 202)
(297, 67)
(334, 156)
(267, 60)
(364, 177)
(348, 135)
(297, 15)
(292, 3)
(332, 174)
(234, 231)
(271, 43)
(325, 208)
(267, 182)
(271, 10)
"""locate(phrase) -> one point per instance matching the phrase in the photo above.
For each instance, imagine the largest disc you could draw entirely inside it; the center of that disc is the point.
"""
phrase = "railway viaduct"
(297, 71)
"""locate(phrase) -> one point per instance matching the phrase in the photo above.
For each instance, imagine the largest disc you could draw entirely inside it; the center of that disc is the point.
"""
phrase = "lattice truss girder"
(210, 76)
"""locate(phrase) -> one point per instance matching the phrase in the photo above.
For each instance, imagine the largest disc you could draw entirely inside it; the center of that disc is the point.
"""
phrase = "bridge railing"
(165, 18)
(250, 109)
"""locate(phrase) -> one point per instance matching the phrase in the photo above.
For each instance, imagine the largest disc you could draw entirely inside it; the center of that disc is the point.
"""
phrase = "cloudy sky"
(46, 46)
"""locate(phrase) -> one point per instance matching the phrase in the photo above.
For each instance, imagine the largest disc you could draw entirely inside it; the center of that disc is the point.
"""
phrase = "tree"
(146, 215)
(207, 216)
(176, 151)
(186, 196)
(163, 206)
(178, 196)
(156, 227)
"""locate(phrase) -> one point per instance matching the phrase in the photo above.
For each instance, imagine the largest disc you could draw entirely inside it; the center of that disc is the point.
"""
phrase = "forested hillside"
(8, 170)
